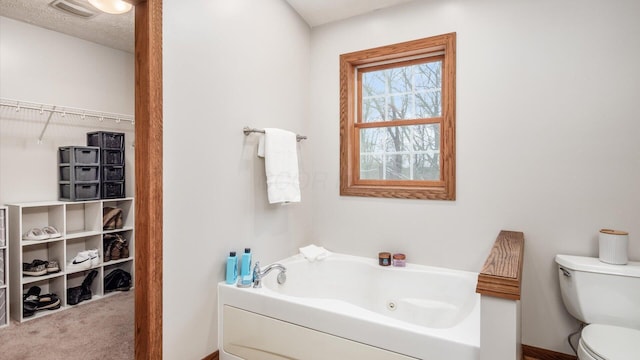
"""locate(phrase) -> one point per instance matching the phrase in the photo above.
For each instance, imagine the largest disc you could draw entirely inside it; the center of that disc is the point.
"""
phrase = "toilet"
(607, 298)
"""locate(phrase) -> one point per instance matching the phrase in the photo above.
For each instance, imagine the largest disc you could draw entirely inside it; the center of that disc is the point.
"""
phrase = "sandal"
(30, 301)
(51, 231)
(48, 302)
(35, 234)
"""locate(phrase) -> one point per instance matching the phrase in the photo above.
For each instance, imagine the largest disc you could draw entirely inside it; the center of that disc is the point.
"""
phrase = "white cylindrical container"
(614, 245)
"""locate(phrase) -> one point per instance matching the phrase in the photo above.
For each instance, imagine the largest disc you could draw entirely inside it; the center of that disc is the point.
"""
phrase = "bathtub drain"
(391, 305)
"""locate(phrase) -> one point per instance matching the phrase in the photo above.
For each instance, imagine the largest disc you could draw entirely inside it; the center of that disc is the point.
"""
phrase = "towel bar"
(247, 130)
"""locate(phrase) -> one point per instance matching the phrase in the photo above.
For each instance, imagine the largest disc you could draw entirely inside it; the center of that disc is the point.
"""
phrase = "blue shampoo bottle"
(232, 268)
(246, 277)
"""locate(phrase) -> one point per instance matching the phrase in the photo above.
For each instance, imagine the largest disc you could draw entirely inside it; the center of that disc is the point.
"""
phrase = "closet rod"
(63, 111)
(247, 130)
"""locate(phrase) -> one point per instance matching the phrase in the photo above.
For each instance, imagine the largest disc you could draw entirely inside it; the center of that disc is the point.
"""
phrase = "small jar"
(399, 260)
(384, 259)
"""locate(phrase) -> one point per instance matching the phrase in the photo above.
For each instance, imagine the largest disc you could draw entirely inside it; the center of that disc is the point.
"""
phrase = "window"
(397, 120)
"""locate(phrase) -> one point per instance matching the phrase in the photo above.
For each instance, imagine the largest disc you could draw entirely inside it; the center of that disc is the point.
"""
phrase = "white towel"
(281, 166)
(313, 252)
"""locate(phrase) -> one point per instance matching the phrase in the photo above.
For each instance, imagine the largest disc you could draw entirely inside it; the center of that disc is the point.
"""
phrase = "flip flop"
(51, 232)
(35, 234)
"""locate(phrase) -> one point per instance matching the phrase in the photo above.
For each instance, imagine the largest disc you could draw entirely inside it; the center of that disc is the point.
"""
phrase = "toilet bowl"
(607, 342)
(607, 297)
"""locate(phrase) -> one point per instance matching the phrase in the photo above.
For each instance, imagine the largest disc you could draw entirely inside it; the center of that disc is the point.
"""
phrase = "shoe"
(73, 295)
(94, 255)
(81, 293)
(30, 301)
(118, 279)
(82, 261)
(52, 267)
(117, 248)
(86, 286)
(35, 268)
(33, 301)
(51, 232)
(108, 244)
(48, 302)
(35, 234)
(111, 218)
(124, 253)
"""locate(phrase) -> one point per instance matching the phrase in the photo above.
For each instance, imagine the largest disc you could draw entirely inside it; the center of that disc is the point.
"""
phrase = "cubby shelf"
(4, 267)
(80, 224)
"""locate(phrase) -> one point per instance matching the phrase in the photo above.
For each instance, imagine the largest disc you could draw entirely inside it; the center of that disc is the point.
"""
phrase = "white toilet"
(607, 297)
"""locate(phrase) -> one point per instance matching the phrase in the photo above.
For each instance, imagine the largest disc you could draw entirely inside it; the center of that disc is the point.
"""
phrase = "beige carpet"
(90, 330)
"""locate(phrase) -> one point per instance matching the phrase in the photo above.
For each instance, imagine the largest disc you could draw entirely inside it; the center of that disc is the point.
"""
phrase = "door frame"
(148, 175)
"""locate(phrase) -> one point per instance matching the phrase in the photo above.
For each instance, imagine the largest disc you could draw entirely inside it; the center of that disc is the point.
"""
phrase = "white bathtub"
(346, 305)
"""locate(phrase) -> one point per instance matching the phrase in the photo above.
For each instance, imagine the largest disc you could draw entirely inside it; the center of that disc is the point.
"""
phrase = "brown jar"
(384, 259)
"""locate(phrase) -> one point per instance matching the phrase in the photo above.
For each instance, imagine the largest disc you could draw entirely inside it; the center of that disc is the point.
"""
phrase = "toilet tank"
(596, 292)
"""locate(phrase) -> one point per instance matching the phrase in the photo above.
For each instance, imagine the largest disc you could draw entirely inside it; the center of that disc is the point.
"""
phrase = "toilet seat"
(607, 342)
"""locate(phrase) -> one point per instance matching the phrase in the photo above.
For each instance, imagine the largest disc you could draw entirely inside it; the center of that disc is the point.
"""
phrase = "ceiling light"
(111, 6)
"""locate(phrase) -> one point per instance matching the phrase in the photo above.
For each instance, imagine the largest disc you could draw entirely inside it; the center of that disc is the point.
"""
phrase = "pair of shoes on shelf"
(32, 301)
(117, 280)
(40, 267)
(81, 293)
(48, 232)
(111, 218)
(116, 247)
(84, 260)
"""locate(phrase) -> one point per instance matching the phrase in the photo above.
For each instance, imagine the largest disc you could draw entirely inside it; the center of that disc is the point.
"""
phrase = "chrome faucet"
(259, 274)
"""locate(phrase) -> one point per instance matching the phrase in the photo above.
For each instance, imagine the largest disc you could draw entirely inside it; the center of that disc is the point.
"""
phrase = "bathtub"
(348, 307)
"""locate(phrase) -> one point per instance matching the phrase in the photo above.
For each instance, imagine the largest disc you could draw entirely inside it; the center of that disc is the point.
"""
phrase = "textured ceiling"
(114, 31)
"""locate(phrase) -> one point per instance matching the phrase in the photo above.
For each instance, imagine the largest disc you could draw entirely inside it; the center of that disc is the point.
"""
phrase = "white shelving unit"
(4, 267)
(80, 224)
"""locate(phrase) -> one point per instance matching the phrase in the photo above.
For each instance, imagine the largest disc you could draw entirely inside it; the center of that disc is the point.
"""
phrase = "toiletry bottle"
(232, 268)
(245, 268)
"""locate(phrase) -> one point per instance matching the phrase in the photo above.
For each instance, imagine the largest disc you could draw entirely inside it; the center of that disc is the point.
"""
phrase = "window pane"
(371, 167)
(428, 76)
(428, 104)
(372, 109)
(399, 79)
(401, 93)
(373, 83)
(400, 152)
(400, 107)
(428, 94)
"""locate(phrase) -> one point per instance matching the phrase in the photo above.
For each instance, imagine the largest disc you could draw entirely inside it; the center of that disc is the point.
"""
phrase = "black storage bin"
(79, 155)
(113, 189)
(106, 140)
(79, 173)
(113, 173)
(112, 157)
(80, 191)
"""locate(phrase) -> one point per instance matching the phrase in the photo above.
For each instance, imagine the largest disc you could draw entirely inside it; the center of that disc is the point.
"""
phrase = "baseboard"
(213, 356)
(544, 354)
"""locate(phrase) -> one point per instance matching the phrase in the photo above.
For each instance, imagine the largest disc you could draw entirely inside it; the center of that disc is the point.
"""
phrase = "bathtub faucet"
(259, 274)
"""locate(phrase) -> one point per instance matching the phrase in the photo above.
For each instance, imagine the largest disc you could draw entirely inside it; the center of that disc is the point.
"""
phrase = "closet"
(81, 224)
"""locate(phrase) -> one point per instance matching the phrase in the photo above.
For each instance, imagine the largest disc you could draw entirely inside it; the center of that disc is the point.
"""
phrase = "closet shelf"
(63, 112)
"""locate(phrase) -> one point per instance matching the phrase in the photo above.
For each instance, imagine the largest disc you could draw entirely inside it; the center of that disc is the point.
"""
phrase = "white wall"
(547, 127)
(39, 65)
(227, 64)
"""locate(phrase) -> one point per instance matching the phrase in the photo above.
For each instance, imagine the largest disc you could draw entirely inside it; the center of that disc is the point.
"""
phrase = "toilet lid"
(612, 342)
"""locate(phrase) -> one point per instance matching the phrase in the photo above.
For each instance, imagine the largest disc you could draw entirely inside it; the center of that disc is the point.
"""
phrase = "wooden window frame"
(442, 47)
